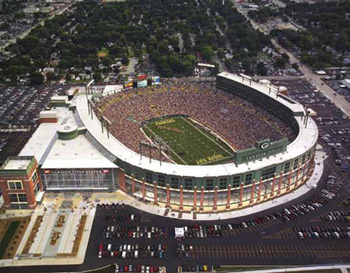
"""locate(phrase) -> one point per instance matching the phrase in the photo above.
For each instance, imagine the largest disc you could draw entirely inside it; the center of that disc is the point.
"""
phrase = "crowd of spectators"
(239, 122)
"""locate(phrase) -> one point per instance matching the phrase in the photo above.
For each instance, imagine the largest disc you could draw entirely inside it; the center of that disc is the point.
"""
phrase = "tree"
(247, 65)
(285, 56)
(125, 60)
(261, 69)
(36, 78)
(97, 77)
(106, 61)
(51, 77)
(280, 62)
(40, 63)
(285, 19)
(207, 52)
(295, 66)
(164, 46)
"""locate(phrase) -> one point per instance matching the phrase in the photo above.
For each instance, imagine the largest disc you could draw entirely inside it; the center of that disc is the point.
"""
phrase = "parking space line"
(200, 253)
(246, 252)
(281, 251)
(274, 251)
(310, 251)
(233, 252)
(243, 252)
(257, 251)
(240, 253)
(213, 251)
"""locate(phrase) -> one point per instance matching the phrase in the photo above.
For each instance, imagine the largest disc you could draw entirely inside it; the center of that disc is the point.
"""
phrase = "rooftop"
(77, 153)
(16, 164)
(54, 153)
(45, 134)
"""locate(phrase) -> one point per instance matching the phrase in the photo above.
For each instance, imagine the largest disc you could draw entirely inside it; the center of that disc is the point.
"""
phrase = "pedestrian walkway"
(45, 252)
(318, 269)
(63, 244)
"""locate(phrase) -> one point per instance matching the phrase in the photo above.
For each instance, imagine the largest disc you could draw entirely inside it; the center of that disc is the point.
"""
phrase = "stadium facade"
(77, 152)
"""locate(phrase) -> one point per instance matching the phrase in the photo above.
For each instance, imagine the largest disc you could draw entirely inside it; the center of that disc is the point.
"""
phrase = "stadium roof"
(54, 153)
(268, 90)
(77, 153)
(39, 144)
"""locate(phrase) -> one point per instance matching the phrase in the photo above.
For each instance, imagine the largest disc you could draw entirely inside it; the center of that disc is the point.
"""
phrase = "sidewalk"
(150, 208)
(320, 269)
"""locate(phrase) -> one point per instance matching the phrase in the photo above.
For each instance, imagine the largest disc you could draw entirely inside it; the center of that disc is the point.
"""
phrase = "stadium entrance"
(79, 179)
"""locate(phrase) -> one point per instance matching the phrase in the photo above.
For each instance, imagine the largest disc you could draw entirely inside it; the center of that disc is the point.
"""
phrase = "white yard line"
(168, 147)
(217, 144)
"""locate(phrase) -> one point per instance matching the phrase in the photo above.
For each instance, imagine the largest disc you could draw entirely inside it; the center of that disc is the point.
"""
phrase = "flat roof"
(45, 134)
(306, 138)
(54, 153)
(77, 153)
(111, 89)
(16, 164)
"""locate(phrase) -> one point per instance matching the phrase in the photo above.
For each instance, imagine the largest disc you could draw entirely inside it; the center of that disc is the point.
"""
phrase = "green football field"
(188, 143)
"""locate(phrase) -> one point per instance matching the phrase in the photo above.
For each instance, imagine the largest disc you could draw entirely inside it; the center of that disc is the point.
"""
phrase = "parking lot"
(19, 114)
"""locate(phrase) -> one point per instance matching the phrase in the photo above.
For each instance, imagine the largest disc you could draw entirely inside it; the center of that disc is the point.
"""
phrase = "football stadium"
(183, 145)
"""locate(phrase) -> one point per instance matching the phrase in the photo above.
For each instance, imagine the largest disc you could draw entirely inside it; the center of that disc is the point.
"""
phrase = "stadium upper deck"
(237, 121)
(305, 140)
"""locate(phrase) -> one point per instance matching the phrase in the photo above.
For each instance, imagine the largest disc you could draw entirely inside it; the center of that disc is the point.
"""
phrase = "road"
(131, 66)
(314, 79)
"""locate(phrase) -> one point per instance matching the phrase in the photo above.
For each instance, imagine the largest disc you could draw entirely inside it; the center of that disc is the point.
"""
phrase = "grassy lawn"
(104, 52)
(188, 143)
(7, 237)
